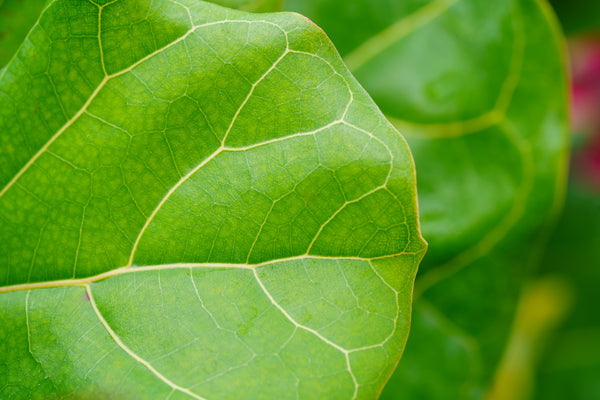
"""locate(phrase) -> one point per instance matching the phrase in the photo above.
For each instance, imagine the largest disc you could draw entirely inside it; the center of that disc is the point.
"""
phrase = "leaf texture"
(18, 16)
(198, 203)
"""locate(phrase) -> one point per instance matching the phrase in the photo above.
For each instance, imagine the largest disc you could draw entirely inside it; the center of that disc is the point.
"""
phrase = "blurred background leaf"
(543, 305)
(258, 6)
(570, 365)
(578, 16)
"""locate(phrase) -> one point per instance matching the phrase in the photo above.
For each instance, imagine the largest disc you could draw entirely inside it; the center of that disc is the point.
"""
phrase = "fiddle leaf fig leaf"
(197, 202)
(479, 90)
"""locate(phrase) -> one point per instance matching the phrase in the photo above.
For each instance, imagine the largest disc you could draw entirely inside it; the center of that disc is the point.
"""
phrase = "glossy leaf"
(197, 203)
(468, 83)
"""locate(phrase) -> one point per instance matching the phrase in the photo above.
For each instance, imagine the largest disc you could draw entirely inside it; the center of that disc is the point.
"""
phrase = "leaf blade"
(149, 226)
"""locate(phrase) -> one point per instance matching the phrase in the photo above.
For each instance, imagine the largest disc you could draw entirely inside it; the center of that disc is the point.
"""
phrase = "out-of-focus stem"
(542, 306)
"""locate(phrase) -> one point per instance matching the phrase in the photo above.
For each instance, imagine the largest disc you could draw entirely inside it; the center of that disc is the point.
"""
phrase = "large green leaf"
(479, 89)
(197, 203)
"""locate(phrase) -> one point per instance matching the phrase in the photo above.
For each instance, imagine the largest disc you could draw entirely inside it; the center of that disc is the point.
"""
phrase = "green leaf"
(18, 16)
(16, 19)
(199, 203)
(479, 89)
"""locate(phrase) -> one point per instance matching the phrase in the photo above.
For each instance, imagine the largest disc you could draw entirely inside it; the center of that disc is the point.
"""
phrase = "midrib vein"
(161, 267)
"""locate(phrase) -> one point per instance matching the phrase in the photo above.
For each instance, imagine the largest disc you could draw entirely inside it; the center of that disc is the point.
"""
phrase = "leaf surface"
(197, 202)
(16, 18)
(479, 90)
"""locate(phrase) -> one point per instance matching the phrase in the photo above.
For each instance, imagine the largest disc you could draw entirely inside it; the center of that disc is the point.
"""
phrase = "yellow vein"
(187, 10)
(381, 142)
(449, 129)
(75, 117)
(133, 355)
(558, 36)
(128, 270)
(398, 311)
(335, 72)
(392, 34)
(27, 321)
(29, 338)
(80, 235)
(166, 197)
(284, 138)
(106, 79)
(338, 211)
(489, 241)
(37, 246)
(100, 8)
(254, 85)
(487, 119)
(260, 229)
(52, 139)
(203, 163)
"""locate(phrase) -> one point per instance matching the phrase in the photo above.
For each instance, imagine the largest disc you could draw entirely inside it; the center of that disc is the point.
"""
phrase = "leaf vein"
(132, 354)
